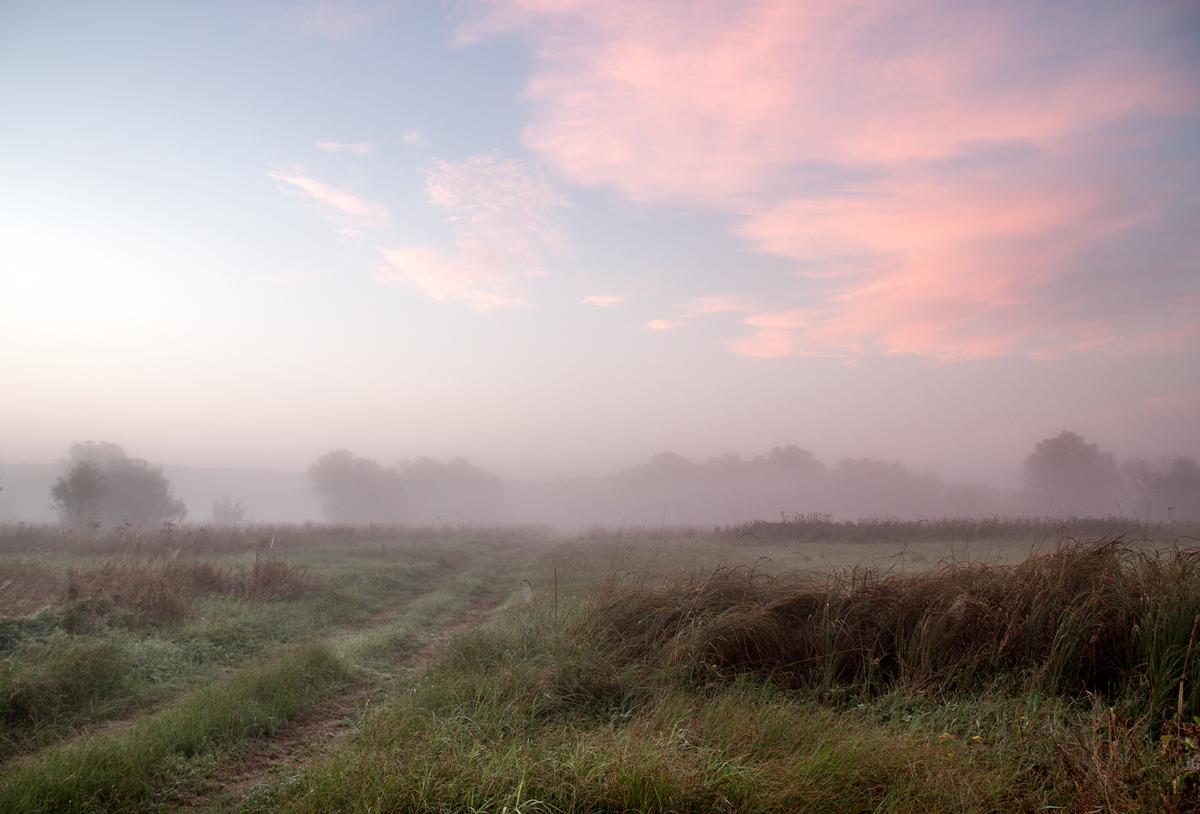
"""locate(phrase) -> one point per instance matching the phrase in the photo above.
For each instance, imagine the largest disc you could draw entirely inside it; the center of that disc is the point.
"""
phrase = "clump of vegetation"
(816, 527)
(139, 593)
(1103, 617)
(46, 681)
(273, 578)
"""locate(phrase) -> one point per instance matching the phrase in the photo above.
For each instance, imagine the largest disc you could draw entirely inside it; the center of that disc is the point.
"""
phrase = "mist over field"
(1062, 477)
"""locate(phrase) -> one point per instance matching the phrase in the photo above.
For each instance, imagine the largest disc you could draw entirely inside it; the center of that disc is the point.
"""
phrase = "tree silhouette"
(452, 492)
(1169, 487)
(357, 490)
(1073, 474)
(77, 496)
(107, 487)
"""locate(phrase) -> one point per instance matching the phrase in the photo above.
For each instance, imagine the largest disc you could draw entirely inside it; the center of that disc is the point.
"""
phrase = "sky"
(560, 236)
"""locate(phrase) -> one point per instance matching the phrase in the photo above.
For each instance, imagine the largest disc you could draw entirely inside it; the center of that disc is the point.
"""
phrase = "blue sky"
(559, 237)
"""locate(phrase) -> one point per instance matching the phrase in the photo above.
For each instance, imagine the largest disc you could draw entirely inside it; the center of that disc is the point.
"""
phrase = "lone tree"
(106, 487)
(357, 490)
(77, 496)
(1073, 474)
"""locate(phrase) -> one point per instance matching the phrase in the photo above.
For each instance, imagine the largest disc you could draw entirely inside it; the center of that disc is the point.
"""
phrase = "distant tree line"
(1064, 476)
(360, 490)
(1067, 472)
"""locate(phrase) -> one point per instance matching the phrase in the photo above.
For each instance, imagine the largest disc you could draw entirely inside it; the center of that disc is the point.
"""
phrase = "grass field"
(804, 665)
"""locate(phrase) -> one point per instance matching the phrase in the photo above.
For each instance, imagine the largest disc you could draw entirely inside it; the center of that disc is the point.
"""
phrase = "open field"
(801, 665)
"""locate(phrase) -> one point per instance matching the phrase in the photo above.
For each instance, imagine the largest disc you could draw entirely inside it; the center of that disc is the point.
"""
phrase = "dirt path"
(295, 744)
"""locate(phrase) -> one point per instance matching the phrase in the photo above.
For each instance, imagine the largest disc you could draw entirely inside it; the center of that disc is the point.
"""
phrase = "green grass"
(130, 768)
(705, 674)
(115, 630)
(48, 684)
(737, 689)
(265, 635)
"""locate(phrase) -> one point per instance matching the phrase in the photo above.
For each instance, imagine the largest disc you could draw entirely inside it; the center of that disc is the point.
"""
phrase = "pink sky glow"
(559, 237)
(964, 174)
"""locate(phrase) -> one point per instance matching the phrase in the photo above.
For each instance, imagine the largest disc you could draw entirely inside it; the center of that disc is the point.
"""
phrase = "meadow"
(801, 665)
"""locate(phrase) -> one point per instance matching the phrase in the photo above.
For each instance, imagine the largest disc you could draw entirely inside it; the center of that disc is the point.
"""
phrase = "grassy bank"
(1049, 684)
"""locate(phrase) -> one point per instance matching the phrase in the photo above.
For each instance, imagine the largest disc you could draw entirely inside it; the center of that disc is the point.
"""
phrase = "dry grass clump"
(1102, 616)
(809, 528)
(26, 585)
(139, 593)
(273, 578)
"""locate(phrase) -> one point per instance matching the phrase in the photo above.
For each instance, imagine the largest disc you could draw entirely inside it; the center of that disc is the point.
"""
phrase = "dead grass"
(26, 585)
(1102, 616)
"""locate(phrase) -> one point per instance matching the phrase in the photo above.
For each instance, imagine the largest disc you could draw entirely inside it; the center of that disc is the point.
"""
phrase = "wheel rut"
(295, 744)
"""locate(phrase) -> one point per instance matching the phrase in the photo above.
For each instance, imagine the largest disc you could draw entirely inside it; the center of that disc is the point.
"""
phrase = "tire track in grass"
(138, 767)
(292, 748)
(199, 752)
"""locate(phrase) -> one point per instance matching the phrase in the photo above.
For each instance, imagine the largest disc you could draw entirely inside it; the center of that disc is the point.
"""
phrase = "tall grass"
(140, 591)
(823, 528)
(44, 682)
(1105, 617)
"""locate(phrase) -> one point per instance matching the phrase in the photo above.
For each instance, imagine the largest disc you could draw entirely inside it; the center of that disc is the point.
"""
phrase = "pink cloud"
(943, 174)
(442, 278)
(358, 147)
(502, 214)
(700, 306)
(343, 207)
(603, 300)
(711, 305)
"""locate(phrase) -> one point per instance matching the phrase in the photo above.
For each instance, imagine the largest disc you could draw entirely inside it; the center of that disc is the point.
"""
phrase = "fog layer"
(1064, 476)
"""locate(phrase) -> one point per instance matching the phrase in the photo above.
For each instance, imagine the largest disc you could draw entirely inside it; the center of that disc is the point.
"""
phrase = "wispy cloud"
(347, 210)
(443, 278)
(358, 147)
(338, 18)
(414, 138)
(700, 306)
(954, 181)
(712, 305)
(603, 300)
(502, 213)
